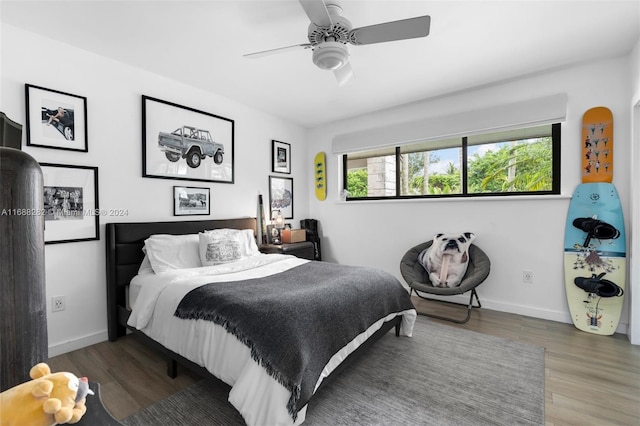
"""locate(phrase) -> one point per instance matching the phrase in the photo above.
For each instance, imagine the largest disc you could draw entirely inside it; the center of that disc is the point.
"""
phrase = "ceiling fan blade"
(391, 31)
(276, 51)
(317, 12)
(344, 75)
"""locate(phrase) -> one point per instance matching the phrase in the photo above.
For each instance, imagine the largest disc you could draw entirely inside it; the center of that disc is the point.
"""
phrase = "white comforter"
(259, 398)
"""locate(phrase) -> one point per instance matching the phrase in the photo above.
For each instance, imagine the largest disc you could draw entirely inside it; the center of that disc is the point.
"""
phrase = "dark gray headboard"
(124, 256)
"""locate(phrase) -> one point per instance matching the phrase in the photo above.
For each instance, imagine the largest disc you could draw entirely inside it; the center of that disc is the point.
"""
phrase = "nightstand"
(303, 249)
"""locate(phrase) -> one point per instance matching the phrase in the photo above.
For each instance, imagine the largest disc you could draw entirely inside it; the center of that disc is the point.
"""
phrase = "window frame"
(555, 170)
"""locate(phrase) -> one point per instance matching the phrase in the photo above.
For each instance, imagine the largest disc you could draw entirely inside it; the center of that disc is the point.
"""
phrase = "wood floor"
(589, 379)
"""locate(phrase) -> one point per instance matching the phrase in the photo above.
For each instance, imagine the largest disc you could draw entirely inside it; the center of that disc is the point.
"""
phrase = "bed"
(253, 338)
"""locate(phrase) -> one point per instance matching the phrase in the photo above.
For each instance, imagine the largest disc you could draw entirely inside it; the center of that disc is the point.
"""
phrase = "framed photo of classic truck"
(184, 143)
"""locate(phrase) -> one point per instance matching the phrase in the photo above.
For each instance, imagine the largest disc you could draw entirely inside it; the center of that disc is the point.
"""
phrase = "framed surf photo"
(188, 201)
(281, 196)
(280, 157)
(56, 119)
(71, 211)
(184, 143)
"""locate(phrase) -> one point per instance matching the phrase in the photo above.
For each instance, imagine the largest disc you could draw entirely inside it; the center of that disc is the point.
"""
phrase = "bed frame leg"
(172, 368)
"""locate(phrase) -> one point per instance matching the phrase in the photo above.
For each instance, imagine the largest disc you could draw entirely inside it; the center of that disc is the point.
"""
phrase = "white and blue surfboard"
(591, 254)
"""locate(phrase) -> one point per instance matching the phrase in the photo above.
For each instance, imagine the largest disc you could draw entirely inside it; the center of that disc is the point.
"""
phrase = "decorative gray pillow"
(218, 249)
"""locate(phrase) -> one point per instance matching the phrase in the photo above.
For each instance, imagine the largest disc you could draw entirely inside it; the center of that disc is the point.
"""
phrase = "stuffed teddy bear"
(49, 399)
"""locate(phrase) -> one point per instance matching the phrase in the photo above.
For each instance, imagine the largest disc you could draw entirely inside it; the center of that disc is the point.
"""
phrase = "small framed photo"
(273, 235)
(56, 119)
(71, 211)
(184, 143)
(281, 157)
(281, 195)
(189, 201)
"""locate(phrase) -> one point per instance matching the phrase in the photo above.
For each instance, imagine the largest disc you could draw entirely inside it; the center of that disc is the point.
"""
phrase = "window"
(513, 162)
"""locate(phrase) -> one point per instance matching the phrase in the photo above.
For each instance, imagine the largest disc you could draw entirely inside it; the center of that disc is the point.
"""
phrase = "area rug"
(441, 376)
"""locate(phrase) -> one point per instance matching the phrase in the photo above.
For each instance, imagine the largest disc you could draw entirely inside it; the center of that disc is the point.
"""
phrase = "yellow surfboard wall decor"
(320, 176)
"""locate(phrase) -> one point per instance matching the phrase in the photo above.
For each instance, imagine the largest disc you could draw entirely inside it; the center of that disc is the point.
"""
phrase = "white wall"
(518, 233)
(634, 159)
(113, 91)
(1, 41)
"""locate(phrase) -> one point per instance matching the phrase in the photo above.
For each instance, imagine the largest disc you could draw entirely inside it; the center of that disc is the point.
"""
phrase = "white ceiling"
(471, 43)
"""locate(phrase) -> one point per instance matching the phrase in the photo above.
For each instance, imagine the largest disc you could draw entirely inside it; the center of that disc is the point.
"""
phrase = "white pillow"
(145, 266)
(168, 252)
(219, 248)
(244, 236)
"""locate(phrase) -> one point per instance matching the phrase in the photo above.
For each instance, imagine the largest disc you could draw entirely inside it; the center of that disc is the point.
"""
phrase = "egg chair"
(418, 279)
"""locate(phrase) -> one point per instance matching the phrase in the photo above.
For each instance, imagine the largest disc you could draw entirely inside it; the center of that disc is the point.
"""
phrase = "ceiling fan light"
(330, 55)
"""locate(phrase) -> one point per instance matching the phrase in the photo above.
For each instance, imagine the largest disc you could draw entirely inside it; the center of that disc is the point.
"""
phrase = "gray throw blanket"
(296, 320)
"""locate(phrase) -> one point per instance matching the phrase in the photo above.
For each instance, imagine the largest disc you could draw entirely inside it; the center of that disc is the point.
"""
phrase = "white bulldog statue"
(446, 260)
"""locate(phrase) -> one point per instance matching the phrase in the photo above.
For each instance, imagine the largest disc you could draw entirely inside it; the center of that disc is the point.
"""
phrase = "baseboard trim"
(526, 311)
(79, 343)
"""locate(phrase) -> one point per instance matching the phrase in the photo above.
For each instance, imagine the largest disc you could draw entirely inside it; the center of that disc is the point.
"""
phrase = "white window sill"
(507, 198)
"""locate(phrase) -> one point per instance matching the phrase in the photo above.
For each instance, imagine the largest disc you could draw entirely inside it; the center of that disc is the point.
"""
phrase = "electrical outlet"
(57, 304)
(527, 277)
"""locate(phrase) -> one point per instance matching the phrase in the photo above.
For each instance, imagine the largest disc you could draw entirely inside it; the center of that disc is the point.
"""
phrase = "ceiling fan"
(329, 33)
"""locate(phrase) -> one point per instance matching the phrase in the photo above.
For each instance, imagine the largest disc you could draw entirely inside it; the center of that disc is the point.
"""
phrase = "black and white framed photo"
(184, 143)
(273, 235)
(281, 195)
(71, 211)
(188, 201)
(280, 157)
(56, 119)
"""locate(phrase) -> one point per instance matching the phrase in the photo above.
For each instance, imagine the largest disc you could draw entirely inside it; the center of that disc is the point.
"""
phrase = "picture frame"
(273, 235)
(281, 196)
(191, 201)
(55, 119)
(207, 156)
(280, 157)
(71, 209)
